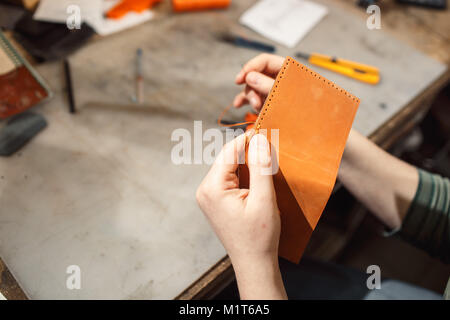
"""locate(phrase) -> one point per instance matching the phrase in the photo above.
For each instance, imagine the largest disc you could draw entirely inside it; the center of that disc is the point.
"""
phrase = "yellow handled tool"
(348, 68)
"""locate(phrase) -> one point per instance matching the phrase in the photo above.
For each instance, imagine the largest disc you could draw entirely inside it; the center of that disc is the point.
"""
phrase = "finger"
(229, 157)
(259, 165)
(266, 63)
(253, 98)
(259, 82)
(240, 100)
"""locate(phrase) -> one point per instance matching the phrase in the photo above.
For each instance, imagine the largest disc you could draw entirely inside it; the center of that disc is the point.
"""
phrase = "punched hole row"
(324, 80)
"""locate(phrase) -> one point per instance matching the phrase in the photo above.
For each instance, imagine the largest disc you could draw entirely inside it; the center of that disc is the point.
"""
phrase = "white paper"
(56, 10)
(105, 26)
(2, 297)
(92, 12)
(284, 21)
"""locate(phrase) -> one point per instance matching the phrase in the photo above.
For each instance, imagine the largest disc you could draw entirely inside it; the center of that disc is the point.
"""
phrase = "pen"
(139, 77)
(243, 42)
(68, 77)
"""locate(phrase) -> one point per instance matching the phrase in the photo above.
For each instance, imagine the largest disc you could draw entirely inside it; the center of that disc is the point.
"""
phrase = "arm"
(395, 192)
(399, 195)
(246, 221)
(383, 183)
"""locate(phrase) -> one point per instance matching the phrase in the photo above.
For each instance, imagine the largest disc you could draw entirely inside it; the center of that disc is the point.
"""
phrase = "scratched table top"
(99, 190)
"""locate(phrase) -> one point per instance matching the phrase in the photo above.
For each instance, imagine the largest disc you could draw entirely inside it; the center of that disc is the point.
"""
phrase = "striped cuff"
(427, 223)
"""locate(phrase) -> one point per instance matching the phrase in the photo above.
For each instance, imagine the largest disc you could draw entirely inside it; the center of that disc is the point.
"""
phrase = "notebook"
(313, 117)
(20, 86)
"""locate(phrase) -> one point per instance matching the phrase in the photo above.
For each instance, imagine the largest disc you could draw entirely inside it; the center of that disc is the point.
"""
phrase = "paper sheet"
(285, 22)
(6, 64)
(105, 26)
(56, 10)
(92, 13)
(2, 297)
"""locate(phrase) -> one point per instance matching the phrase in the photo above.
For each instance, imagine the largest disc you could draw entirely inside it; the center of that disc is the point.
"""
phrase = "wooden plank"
(426, 30)
(211, 283)
(413, 112)
(8, 285)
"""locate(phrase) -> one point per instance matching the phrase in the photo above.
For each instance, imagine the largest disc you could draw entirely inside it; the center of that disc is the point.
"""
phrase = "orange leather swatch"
(194, 5)
(314, 117)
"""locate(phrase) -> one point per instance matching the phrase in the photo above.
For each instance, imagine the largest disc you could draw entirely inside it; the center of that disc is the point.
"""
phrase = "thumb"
(260, 168)
(259, 82)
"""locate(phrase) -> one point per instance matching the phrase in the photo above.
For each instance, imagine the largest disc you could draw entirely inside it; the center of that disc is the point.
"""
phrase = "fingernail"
(239, 75)
(253, 101)
(262, 142)
(262, 148)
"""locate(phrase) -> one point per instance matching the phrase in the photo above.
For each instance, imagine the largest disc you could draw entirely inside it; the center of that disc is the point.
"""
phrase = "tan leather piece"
(314, 117)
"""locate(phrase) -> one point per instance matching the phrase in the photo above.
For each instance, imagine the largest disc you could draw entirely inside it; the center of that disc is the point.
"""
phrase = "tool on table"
(435, 4)
(246, 43)
(139, 78)
(20, 129)
(365, 3)
(194, 5)
(69, 86)
(355, 70)
(21, 87)
(125, 6)
(247, 124)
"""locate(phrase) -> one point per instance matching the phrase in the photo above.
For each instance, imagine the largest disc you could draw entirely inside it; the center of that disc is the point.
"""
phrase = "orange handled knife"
(355, 70)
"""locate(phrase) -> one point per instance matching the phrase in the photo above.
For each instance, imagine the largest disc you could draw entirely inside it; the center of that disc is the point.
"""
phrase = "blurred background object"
(28, 4)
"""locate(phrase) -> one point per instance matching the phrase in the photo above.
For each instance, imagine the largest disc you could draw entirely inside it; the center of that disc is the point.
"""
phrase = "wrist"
(349, 146)
(350, 156)
(249, 263)
(259, 278)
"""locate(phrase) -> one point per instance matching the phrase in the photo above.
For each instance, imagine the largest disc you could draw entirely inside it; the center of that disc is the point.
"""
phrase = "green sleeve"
(427, 222)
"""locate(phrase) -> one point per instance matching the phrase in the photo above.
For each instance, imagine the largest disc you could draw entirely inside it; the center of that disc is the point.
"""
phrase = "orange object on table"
(313, 117)
(194, 5)
(250, 117)
(125, 6)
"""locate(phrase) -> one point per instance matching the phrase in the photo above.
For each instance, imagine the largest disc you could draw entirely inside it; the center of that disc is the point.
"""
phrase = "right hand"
(258, 75)
(247, 221)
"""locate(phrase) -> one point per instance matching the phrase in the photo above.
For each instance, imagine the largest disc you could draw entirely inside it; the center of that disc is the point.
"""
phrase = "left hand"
(258, 75)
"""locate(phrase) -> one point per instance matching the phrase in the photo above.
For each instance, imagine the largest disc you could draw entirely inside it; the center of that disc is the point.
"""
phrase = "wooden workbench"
(429, 32)
(429, 38)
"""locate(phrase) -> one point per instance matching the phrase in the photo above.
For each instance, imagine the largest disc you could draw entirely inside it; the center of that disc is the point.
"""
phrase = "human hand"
(258, 75)
(246, 221)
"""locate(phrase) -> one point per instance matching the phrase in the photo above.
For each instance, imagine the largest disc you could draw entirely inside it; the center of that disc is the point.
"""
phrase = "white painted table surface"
(98, 189)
